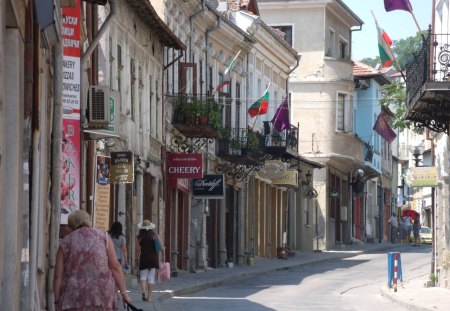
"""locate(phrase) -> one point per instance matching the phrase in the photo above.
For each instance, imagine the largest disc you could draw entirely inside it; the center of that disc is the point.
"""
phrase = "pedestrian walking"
(394, 228)
(120, 243)
(87, 273)
(402, 228)
(408, 227)
(149, 248)
(416, 230)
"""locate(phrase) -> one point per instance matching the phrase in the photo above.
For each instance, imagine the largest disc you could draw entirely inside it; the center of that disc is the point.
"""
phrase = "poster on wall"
(102, 193)
(70, 179)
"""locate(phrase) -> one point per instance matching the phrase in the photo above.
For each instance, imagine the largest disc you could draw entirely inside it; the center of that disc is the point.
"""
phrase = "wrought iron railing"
(196, 110)
(241, 143)
(287, 139)
(418, 72)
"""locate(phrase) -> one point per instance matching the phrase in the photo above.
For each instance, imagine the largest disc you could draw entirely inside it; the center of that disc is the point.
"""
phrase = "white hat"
(147, 225)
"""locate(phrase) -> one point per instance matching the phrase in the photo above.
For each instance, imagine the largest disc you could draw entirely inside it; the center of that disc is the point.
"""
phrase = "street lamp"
(416, 152)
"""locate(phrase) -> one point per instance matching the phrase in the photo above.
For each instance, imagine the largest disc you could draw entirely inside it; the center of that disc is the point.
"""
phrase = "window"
(287, 31)
(132, 87)
(119, 72)
(158, 121)
(344, 111)
(140, 88)
(201, 76)
(238, 105)
(210, 80)
(306, 211)
(111, 64)
(151, 106)
(331, 43)
(343, 49)
(340, 112)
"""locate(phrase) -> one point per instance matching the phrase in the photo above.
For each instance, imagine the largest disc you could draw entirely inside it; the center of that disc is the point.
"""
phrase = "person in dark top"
(148, 248)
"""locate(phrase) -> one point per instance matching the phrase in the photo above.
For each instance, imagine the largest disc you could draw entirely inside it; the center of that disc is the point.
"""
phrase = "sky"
(398, 24)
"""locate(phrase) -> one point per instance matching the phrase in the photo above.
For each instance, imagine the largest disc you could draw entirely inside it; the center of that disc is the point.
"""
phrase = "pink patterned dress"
(87, 282)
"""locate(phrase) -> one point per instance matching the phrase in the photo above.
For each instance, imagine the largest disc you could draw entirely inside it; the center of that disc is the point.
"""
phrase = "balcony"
(241, 146)
(428, 87)
(196, 116)
(280, 145)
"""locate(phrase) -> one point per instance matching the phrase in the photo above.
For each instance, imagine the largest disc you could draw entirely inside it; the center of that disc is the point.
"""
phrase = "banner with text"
(184, 165)
(102, 193)
(70, 179)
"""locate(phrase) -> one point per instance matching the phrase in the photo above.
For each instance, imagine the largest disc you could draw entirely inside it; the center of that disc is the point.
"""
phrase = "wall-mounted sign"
(184, 165)
(209, 187)
(102, 193)
(122, 167)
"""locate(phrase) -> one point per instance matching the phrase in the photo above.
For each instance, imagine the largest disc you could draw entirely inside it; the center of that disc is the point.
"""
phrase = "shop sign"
(288, 179)
(279, 174)
(184, 165)
(102, 193)
(209, 187)
(424, 176)
(122, 167)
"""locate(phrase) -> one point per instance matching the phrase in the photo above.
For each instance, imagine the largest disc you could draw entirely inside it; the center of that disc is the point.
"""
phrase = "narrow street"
(348, 284)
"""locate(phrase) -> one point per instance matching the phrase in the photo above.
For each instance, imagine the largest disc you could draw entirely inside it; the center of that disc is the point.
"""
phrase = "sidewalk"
(411, 293)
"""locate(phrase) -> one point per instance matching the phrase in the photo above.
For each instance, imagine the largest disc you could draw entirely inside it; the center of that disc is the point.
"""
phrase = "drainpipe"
(297, 58)
(99, 34)
(191, 27)
(208, 31)
(56, 173)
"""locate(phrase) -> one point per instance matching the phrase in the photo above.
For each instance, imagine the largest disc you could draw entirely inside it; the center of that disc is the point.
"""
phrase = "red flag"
(383, 128)
(222, 85)
(391, 5)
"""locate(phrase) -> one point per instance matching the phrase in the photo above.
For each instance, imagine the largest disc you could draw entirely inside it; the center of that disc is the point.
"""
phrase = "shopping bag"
(164, 272)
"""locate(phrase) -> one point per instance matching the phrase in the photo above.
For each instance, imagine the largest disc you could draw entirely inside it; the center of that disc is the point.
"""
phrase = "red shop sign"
(184, 165)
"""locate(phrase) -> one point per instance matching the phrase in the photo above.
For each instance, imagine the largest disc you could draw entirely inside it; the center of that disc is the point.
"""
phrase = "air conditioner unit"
(98, 114)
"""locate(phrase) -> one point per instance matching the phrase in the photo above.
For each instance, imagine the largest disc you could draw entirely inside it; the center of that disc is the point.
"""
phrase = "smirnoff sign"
(184, 165)
(209, 187)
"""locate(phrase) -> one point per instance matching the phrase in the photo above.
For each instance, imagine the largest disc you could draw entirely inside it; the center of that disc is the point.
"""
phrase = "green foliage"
(373, 62)
(394, 98)
(405, 49)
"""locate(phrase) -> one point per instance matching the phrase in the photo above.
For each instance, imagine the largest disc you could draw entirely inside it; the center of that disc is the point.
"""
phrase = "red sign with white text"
(71, 155)
(184, 165)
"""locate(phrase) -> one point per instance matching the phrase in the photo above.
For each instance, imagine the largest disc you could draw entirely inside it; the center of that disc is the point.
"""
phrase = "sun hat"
(146, 225)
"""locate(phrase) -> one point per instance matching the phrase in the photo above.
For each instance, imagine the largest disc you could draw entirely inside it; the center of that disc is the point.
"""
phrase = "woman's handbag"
(164, 272)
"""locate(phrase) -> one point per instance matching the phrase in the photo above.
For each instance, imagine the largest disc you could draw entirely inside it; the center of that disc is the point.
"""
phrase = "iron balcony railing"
(242, 146)
(279, 143)
(196, 115)
(418, 72)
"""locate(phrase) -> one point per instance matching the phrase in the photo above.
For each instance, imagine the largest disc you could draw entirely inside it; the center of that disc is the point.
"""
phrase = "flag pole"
(414, 17)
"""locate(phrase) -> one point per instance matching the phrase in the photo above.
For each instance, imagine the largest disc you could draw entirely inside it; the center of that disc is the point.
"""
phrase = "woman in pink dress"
(87, 273)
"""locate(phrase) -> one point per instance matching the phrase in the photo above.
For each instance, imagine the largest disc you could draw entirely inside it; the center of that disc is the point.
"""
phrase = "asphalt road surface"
(347, 284)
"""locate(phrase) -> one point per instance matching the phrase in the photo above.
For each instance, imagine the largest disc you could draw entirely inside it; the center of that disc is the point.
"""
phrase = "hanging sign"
(184, 165)
(209, 187)
(122, 167)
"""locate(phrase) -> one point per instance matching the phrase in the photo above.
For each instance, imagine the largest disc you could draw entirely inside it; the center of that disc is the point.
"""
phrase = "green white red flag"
(261, 105)
(384, 46)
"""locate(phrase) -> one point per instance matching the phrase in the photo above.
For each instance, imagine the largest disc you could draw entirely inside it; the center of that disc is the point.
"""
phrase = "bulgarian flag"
(261, 105)
(384, 46)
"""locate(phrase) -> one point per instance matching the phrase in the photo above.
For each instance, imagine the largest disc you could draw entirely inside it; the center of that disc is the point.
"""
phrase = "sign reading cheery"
(184, 165)
(209, 187)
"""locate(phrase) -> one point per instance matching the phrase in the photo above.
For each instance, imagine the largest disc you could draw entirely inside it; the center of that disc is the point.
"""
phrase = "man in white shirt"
(394, 228)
